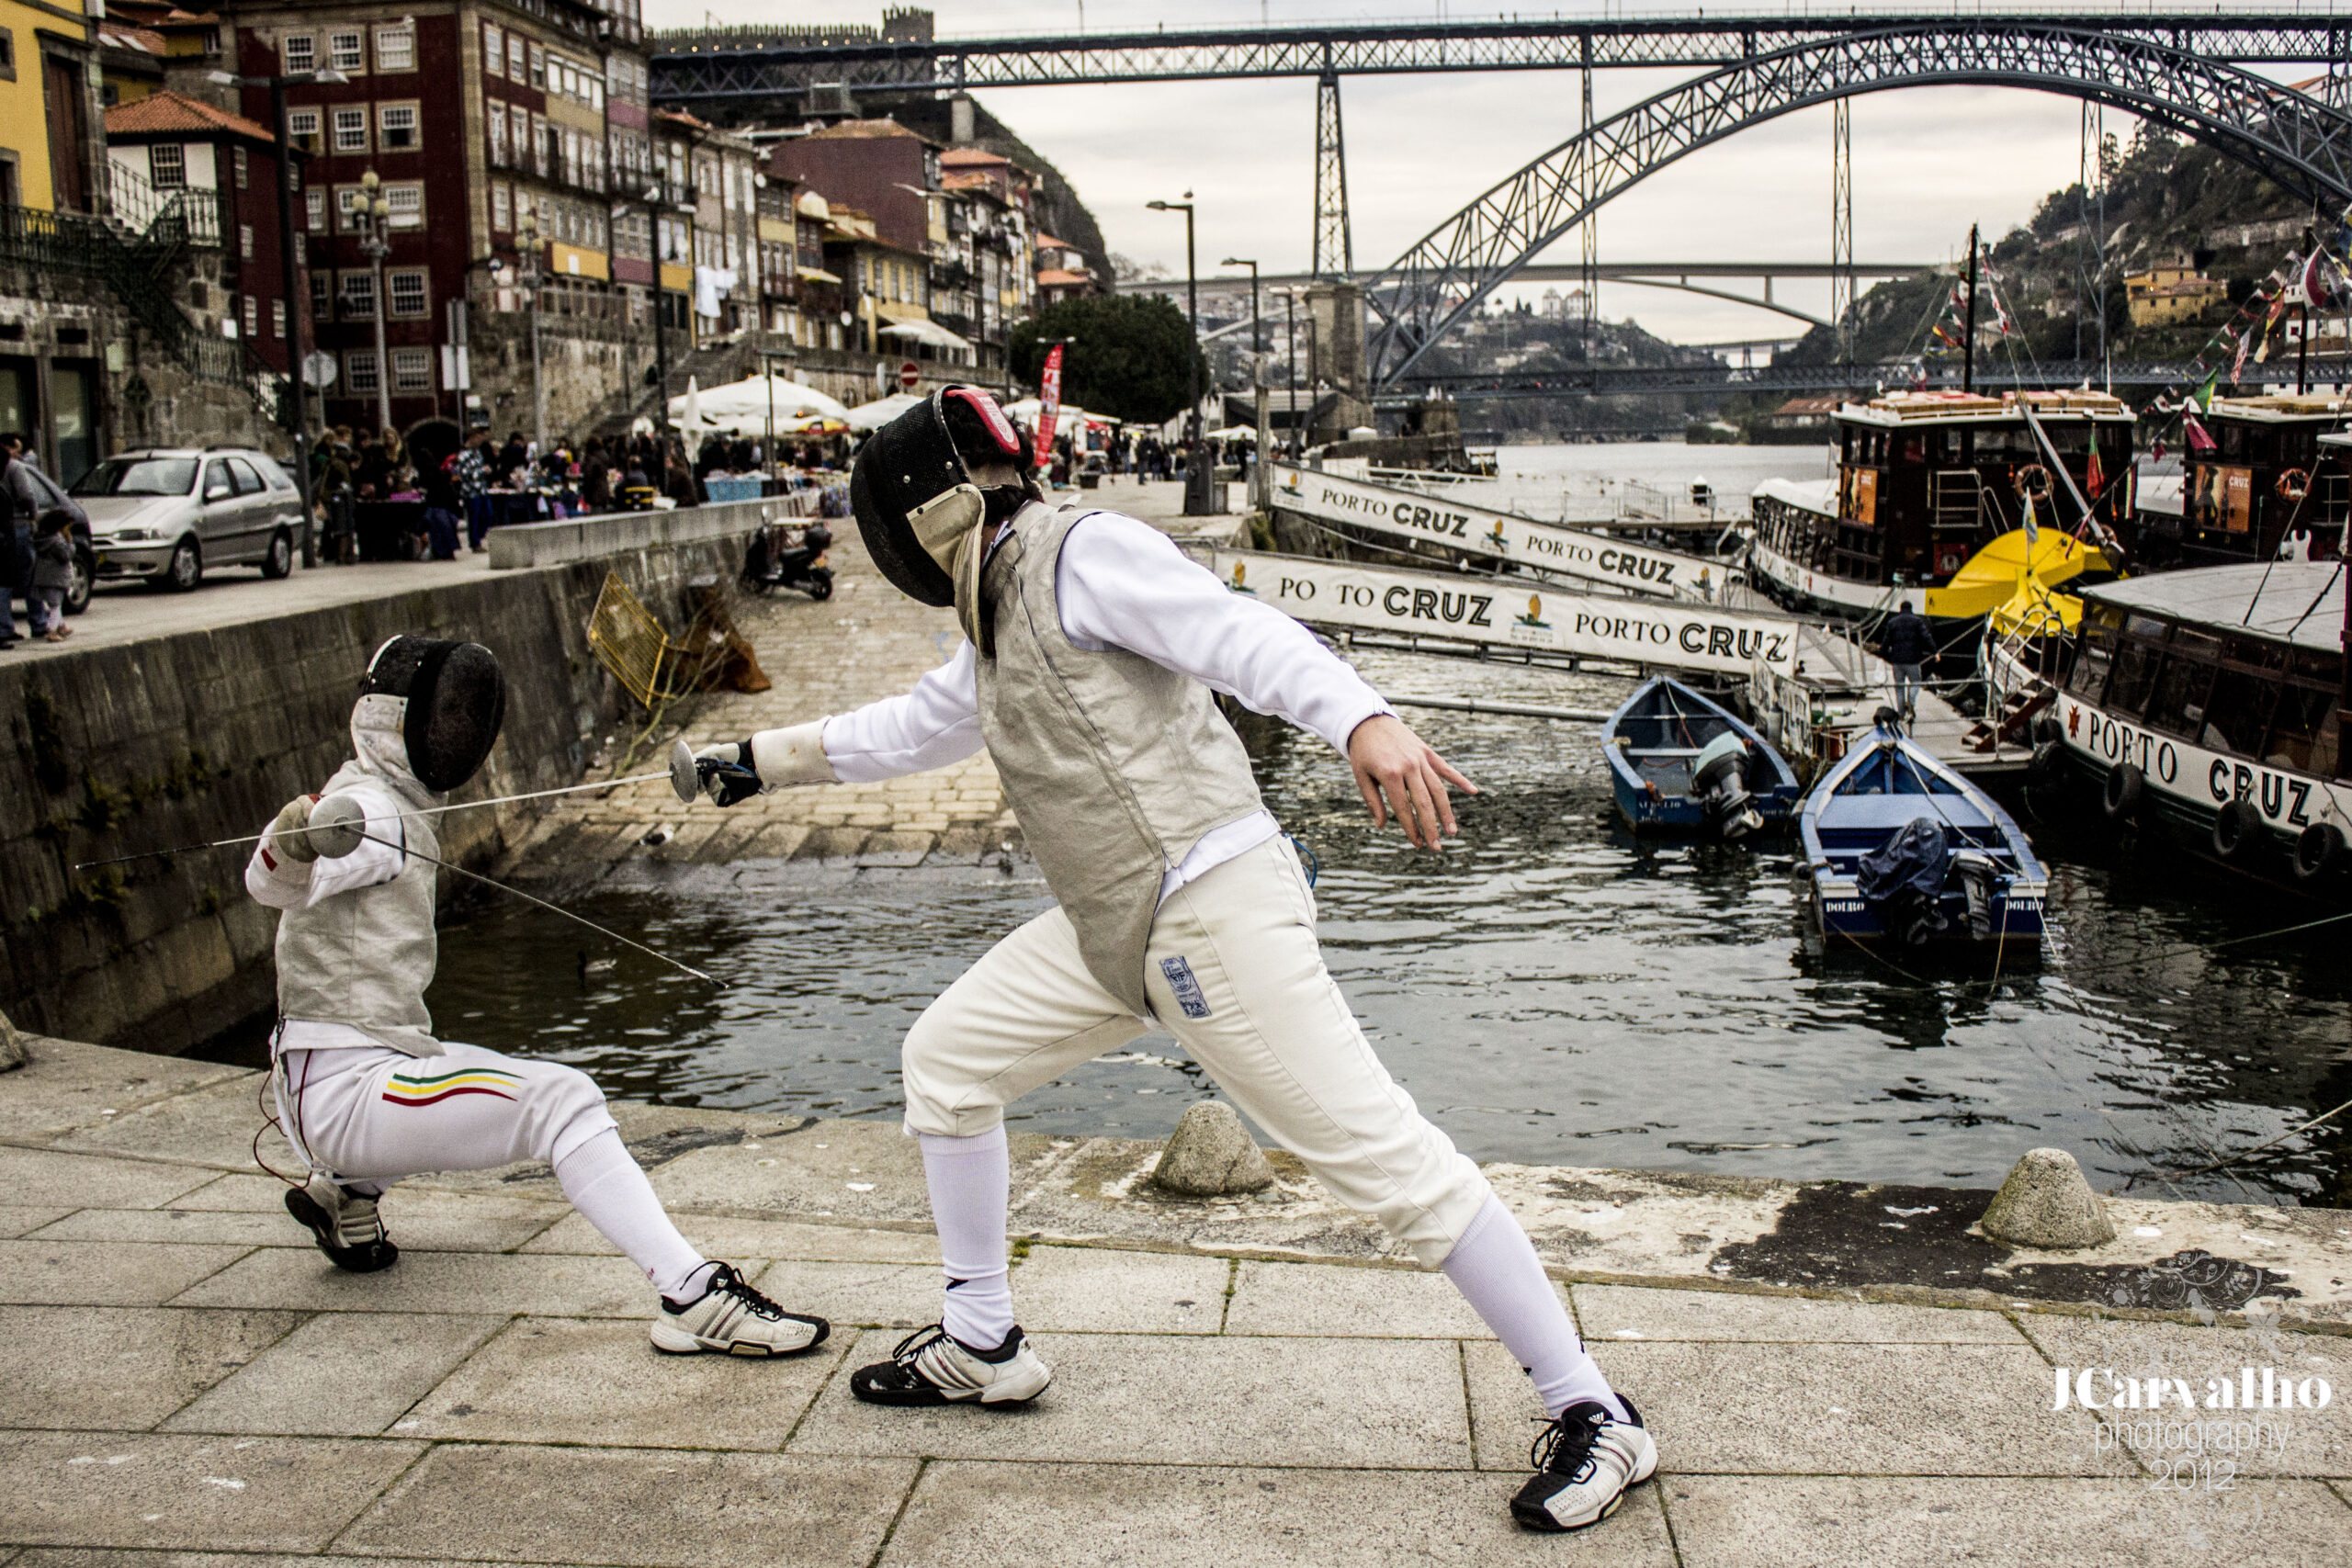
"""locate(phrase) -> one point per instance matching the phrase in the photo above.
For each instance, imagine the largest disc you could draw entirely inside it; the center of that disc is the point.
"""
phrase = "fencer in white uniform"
(367, 1093)
(1092, 646)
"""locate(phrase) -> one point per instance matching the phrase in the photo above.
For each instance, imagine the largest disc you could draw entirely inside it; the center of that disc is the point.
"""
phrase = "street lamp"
(528, 241)
(1196, 495)
(1290, 347)
(378, 208)
(1255, 348)
(299, 419)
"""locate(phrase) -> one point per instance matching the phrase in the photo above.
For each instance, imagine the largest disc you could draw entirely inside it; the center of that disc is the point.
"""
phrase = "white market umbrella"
(745, 404)
(868, 417)
(689, 409)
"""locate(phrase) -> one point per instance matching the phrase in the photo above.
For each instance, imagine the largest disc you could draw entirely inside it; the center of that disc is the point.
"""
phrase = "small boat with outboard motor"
(1900, 847)
(1682, 763)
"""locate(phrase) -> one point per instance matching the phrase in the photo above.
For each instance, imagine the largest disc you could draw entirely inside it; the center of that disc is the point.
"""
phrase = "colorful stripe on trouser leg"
(406, 1089)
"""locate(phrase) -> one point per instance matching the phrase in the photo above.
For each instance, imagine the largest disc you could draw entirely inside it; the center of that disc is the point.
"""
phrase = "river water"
(1549, 990)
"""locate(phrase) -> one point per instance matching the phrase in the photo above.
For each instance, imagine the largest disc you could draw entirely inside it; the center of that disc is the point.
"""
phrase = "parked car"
(167, 515)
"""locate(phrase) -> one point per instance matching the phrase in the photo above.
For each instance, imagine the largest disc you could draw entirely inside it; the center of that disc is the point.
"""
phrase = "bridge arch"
(2299, 143)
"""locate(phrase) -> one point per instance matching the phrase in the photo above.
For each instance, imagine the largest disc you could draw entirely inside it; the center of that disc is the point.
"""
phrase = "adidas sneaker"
(732, 1318)
(345, 1225)
(932, 1368)
(1584, 1461)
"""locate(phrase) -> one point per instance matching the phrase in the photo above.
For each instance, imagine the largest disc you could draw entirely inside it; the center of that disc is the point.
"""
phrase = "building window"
(347, 53)
(359, 290)
(246, 242)
(359, 370)
(237, 165)
(411, 370)
(350, 215)
(522, 117)
(497, 137)
(538, 67)
(404, 206)
(167, 166)
(314, 203)
(406, 294)
(301, 51)
(396, 128)
(322, 296)
(493, 50)
(302, 126)
(502, 211)
(278, 317)
(396, 48)
(253, 316)
(351, 130)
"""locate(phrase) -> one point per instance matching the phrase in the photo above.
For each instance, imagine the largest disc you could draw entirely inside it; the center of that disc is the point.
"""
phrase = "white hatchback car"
(167, 514)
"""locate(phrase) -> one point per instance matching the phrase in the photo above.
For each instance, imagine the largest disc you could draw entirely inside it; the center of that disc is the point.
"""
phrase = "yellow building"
(2164, 295)
(50, 135)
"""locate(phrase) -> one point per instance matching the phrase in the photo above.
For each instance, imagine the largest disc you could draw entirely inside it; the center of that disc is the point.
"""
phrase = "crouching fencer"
(1092, 648)
(367, 1094)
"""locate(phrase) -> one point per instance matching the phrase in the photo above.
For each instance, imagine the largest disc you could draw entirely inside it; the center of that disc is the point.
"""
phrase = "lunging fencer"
(1092, 648)
(367, 1093)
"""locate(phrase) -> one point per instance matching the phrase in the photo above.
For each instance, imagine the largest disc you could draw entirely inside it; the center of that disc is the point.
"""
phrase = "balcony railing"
(136, 205)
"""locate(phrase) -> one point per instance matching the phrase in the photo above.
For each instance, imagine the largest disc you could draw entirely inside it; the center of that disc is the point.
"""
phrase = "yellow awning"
(571, 261)
(816, 274)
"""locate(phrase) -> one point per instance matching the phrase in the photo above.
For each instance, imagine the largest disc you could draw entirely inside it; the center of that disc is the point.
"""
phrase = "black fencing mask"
(917, 507)
(457, 699)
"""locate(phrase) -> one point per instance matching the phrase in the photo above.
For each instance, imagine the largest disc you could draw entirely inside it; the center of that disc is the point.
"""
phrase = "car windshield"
(139, 476)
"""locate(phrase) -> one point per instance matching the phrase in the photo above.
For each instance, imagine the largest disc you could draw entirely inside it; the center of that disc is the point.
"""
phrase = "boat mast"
(1968, 336)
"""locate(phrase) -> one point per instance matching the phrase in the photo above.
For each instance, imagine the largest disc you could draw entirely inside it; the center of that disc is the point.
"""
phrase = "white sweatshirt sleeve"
(936, 723)
(1123, 583)
(282, 882)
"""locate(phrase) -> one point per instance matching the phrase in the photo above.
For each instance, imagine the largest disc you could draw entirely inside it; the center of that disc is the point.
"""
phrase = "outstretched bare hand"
(1401, 774)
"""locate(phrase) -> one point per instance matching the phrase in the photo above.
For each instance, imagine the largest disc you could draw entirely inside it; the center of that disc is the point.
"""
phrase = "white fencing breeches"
(372, 1115)
(1235, 973)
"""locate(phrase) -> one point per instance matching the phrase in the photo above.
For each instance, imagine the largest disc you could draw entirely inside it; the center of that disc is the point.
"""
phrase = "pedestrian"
(367, 1093)
(473, 476)
(443, 506)
(680, 483)
(1906, 642)
(30, 494)
(1092, 650)
(52, 574)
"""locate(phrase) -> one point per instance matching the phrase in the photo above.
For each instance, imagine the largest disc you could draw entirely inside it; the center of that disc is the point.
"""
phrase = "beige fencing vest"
(364, 957)
(1115, 765)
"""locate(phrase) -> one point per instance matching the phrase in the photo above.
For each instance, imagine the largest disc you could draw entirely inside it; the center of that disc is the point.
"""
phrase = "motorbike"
(784, 556)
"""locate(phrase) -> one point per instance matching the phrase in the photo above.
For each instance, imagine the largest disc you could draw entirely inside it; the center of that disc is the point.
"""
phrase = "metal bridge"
(2186, 70)
(1603, 380)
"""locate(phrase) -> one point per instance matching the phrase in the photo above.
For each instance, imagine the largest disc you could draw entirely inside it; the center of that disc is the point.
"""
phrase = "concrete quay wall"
(186, 739)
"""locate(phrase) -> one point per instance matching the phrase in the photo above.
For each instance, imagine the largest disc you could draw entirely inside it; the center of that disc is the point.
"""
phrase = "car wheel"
(279, 562)
(186, 569)
(85, 574)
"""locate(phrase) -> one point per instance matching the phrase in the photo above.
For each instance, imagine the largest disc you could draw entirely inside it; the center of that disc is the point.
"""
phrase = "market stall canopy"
(873, 416)
(743, 405)
(1069, 421)
(925, 331)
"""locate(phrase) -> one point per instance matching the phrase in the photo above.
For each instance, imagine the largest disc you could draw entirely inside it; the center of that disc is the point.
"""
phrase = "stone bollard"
(1211, 1154)
(12, 1045)
(2046, 1201)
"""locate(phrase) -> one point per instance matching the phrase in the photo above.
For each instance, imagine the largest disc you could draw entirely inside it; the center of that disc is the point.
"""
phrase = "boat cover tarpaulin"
(1509, 611)
(1500, 536)
(1914, 857)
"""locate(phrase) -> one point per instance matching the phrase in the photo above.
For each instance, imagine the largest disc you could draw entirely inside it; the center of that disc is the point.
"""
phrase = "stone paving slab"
(881, 1295)
(650, 1507)
(418, 1217)
(719, 1236)
(64, 1084)
(16, 1220)
(595, 1381)
(73, 1181)
(995, 1516)
(120, 1369)
(219, 1494)
(1321, 1300)
(431, 1282)
(1084, 1291)
(1618, 1312)
(340, 1375)
(1376, 1404)
(96, 1273)
(213, 1125)
(1727, 1521)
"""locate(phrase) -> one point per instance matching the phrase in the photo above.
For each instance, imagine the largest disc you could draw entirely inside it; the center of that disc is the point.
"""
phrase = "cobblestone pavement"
(185, 1383)
(867, 641)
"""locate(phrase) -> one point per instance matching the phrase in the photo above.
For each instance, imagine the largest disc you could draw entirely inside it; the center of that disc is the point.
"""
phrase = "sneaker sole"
(933, 1399)
(1540, 1520)
(369, 1260)
(677, 1342)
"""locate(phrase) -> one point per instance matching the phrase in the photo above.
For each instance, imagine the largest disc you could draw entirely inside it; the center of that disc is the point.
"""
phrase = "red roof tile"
(162, 113)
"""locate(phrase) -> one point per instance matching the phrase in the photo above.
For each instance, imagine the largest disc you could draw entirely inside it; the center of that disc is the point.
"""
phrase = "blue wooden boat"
(1683, 764)
(1902, 848)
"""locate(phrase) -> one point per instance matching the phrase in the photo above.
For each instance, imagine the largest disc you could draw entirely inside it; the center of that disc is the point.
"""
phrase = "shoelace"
(1562, 1440)
(911, 1348)
(727, 1281)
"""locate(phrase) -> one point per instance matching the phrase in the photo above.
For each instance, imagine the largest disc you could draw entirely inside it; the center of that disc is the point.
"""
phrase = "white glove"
(288, 831)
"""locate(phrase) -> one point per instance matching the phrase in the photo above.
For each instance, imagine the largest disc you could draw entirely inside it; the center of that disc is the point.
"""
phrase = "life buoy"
(2294, 484)
(2034, 479)
(2319, 850)
(2236, 826)
(2121, 801)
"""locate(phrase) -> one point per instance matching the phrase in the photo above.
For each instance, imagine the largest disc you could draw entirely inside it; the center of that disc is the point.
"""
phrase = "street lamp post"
(1196, 494)
(1290, 347)
(1256, 347)
(376, 247)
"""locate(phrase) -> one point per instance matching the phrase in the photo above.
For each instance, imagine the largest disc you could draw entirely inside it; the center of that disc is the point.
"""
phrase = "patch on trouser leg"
(1187, 989)
(431, 1088)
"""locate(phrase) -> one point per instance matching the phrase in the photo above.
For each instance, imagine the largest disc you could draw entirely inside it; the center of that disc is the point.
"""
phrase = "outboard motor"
(1979, 878)
(1719, 784)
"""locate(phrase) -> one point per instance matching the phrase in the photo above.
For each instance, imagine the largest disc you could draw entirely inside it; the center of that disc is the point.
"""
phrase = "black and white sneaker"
(732, 1318)
(345, 1225)
(1584, 1461)
(930, 1368)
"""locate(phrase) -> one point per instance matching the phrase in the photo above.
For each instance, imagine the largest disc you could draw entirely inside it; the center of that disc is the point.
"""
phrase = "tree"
(1126, 359)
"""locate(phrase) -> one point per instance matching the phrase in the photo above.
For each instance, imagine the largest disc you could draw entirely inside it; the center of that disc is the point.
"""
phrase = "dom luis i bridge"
(2221, 78)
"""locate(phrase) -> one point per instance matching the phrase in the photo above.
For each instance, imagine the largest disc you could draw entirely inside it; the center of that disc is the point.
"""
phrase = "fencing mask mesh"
(457, 700)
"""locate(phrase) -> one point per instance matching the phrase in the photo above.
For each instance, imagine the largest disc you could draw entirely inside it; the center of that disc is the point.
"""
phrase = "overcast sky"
(1926, 162)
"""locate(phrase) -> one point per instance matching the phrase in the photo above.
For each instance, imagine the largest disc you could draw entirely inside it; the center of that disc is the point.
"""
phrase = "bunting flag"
(2237, 364)
(2095, 476)
(2033, 523)
(2199, 440)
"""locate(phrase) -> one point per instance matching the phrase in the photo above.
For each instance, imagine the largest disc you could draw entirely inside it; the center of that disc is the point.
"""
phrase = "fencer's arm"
(285, 881)
(936, 723)
(1122, 584)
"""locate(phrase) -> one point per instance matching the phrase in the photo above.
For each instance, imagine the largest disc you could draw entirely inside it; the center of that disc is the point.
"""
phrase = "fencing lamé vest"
(1116, 766)
(364, 957)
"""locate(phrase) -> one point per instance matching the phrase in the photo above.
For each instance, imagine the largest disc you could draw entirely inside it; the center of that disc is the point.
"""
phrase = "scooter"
(780, 556)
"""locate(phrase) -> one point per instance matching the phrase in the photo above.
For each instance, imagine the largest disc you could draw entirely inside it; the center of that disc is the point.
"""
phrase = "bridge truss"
(1603, 380)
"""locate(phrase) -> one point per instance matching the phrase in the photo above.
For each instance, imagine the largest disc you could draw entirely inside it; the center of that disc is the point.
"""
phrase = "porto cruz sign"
(1512, 612)
(1501, 536)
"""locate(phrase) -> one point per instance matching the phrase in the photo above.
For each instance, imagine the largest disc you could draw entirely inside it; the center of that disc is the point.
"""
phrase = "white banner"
(1503, 536)
(1513, 612)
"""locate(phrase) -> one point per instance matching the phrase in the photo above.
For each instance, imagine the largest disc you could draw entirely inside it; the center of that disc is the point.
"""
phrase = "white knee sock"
(1495, 1268)
(971, 1180)
(610, 1193)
